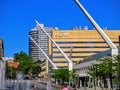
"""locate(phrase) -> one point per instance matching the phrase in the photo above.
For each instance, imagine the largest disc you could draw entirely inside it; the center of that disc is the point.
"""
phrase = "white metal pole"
(70, 64)
(43, 52)
(100, 31)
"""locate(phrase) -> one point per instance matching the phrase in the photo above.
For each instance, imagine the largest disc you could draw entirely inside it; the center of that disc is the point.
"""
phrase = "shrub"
(90, 85)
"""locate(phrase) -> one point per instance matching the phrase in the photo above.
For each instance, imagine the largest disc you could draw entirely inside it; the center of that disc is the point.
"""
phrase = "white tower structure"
(70, 64)
(42, 40)
(43, 52)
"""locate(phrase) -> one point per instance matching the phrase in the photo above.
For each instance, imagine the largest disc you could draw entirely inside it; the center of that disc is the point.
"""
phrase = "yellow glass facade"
(79, 44)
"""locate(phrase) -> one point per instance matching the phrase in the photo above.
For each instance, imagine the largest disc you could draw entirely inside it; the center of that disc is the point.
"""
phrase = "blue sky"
(17, 18)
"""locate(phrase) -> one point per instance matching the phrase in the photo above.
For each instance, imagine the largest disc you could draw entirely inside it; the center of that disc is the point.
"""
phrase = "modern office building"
(1, 48)
(79, 44)
(41, 39)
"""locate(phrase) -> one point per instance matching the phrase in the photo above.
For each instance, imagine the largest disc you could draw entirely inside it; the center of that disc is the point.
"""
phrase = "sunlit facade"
(79, 44)
(41, 39)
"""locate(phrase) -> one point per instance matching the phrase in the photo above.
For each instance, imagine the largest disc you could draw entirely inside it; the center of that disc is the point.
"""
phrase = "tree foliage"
(10, 72)
(64, 75)
(108, 67)
(61, 74)
(35, 69)
(72, 75)
(117, 68)
(104, 68)
(25, 62)
(26, 65)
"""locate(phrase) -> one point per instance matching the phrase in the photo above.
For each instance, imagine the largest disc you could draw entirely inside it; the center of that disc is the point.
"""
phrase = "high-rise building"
(1, 48)
(79, 44)
(41, 39)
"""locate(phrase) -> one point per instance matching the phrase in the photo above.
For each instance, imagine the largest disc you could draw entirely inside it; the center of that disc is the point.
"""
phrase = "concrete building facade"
(79, 44)
(42, 40)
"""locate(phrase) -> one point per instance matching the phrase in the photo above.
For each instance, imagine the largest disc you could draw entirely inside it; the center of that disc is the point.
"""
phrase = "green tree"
(61, 75)
(64, 75)
(94, 72)
(25, 62)
(10, 72)
(117, 68)
(104, 69)
(72, 75)
(26, 65)
(107, 67)
(35, 70)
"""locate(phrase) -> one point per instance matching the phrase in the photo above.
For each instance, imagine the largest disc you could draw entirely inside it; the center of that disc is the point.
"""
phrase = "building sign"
(61, 34)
